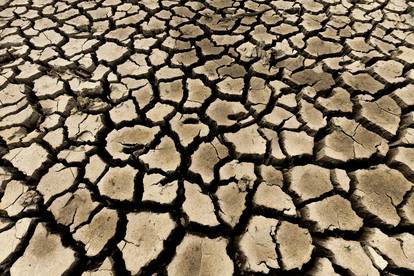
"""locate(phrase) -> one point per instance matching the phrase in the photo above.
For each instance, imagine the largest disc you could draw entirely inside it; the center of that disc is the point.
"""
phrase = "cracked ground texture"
(213, 137)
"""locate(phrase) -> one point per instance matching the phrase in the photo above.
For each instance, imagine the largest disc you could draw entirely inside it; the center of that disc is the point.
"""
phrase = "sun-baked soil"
(214, 138)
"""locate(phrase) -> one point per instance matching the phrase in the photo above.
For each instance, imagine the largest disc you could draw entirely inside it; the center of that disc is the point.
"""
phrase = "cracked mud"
(217, 137)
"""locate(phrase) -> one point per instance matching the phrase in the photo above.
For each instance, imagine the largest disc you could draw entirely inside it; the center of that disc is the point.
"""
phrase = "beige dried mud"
(206, 137)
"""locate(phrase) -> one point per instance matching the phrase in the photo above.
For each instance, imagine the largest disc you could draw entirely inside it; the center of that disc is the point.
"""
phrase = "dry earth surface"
(213, 137)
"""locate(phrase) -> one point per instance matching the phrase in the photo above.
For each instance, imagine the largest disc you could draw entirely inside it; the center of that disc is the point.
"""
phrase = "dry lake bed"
(207, 138)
